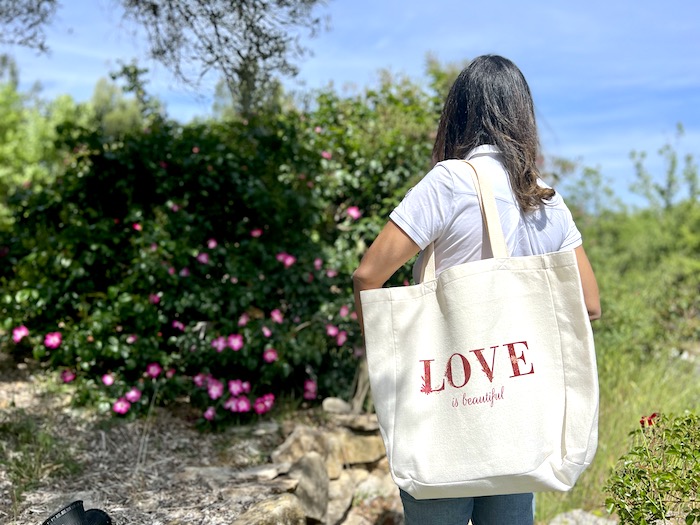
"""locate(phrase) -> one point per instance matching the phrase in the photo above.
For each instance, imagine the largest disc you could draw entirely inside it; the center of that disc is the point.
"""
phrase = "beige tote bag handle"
(492, 223)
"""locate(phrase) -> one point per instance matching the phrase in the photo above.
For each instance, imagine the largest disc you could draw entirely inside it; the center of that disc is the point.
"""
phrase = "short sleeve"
(427, 207)
(572, 236)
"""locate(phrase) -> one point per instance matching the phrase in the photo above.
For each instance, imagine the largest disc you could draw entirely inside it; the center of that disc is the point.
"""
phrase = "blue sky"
(608, 77)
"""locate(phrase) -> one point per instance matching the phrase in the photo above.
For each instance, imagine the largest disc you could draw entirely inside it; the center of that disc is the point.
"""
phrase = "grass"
(30, 453)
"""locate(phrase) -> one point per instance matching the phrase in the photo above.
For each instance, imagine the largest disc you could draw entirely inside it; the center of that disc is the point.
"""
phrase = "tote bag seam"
(564, 453)
(395, 383)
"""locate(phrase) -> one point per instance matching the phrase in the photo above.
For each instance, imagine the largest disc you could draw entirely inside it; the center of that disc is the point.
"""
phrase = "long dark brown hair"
(490, 103)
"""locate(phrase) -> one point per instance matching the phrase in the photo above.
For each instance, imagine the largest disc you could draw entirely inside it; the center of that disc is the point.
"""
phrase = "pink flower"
(174, 207)
(153, 370)
(241, 404)
(245, 385)
(67, 376)
(266, 331)
(215, 388)
(342, 337)
(203, 257)
(326, 155)
(179, 326)
(235, 387)
(154, 298)
(331, 330)
(276, 316)
(209, 413)
(318, 263)
(235, 342)
(195, 150)
(263, 404)
(19, 333)
(170, 373)
(354, 212)
(243, 319)
(185, 272)
(317, 129)
(331, 273)
(256, 232)
(154, 246)
(121, 406)
(133, 395)
(219, 343)
(211, 244)
(344, 311)
(270, 355)
(136, 226)
(310, 389)
(200, 379)
(53, 340)
(286, 259)
(108, 379)
(171, 271)
(131, 339)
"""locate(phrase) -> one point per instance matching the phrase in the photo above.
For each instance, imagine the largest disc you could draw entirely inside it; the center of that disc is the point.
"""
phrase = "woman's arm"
(589, 283)
(390, 251)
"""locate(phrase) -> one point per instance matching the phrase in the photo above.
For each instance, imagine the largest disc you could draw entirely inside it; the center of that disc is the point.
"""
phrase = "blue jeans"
(509, 509)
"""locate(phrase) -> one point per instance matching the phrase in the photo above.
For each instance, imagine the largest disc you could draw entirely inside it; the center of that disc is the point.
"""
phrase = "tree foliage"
(245, 42)
(23, 22)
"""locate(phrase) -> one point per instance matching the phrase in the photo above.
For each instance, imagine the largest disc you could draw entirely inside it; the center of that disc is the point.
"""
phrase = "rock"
(580, 517)
(358, 474)
(377, 485)
(301, 441)
(335, 459)
(259, 473)
(355, 518)
(313, 487)
(266, 428)
(360, 422)
(340, 494)
(285, 509)
(335, 405)
(360, 448)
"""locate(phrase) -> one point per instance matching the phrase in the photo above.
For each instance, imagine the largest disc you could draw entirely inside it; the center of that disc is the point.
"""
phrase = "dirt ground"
(140, 472)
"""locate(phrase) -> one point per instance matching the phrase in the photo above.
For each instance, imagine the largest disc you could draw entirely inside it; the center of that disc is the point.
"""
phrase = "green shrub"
(211, 261)
(658, 478)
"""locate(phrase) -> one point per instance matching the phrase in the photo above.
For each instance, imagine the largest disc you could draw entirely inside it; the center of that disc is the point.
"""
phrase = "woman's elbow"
(361, 280)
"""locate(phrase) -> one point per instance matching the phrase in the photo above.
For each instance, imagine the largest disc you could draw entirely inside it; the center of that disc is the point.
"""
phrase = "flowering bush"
(207, 262)
(658, 478)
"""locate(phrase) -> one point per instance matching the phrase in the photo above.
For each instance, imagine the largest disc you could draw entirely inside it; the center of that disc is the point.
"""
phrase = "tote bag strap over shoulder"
(492, 223)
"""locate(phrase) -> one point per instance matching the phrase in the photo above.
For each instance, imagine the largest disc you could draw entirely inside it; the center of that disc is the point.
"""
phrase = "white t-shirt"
(443, 208)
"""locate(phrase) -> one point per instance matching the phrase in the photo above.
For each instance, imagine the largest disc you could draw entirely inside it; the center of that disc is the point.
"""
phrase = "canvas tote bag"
(484, 380)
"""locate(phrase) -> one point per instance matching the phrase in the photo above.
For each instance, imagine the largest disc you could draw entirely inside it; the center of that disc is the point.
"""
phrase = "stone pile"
(320, 472)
